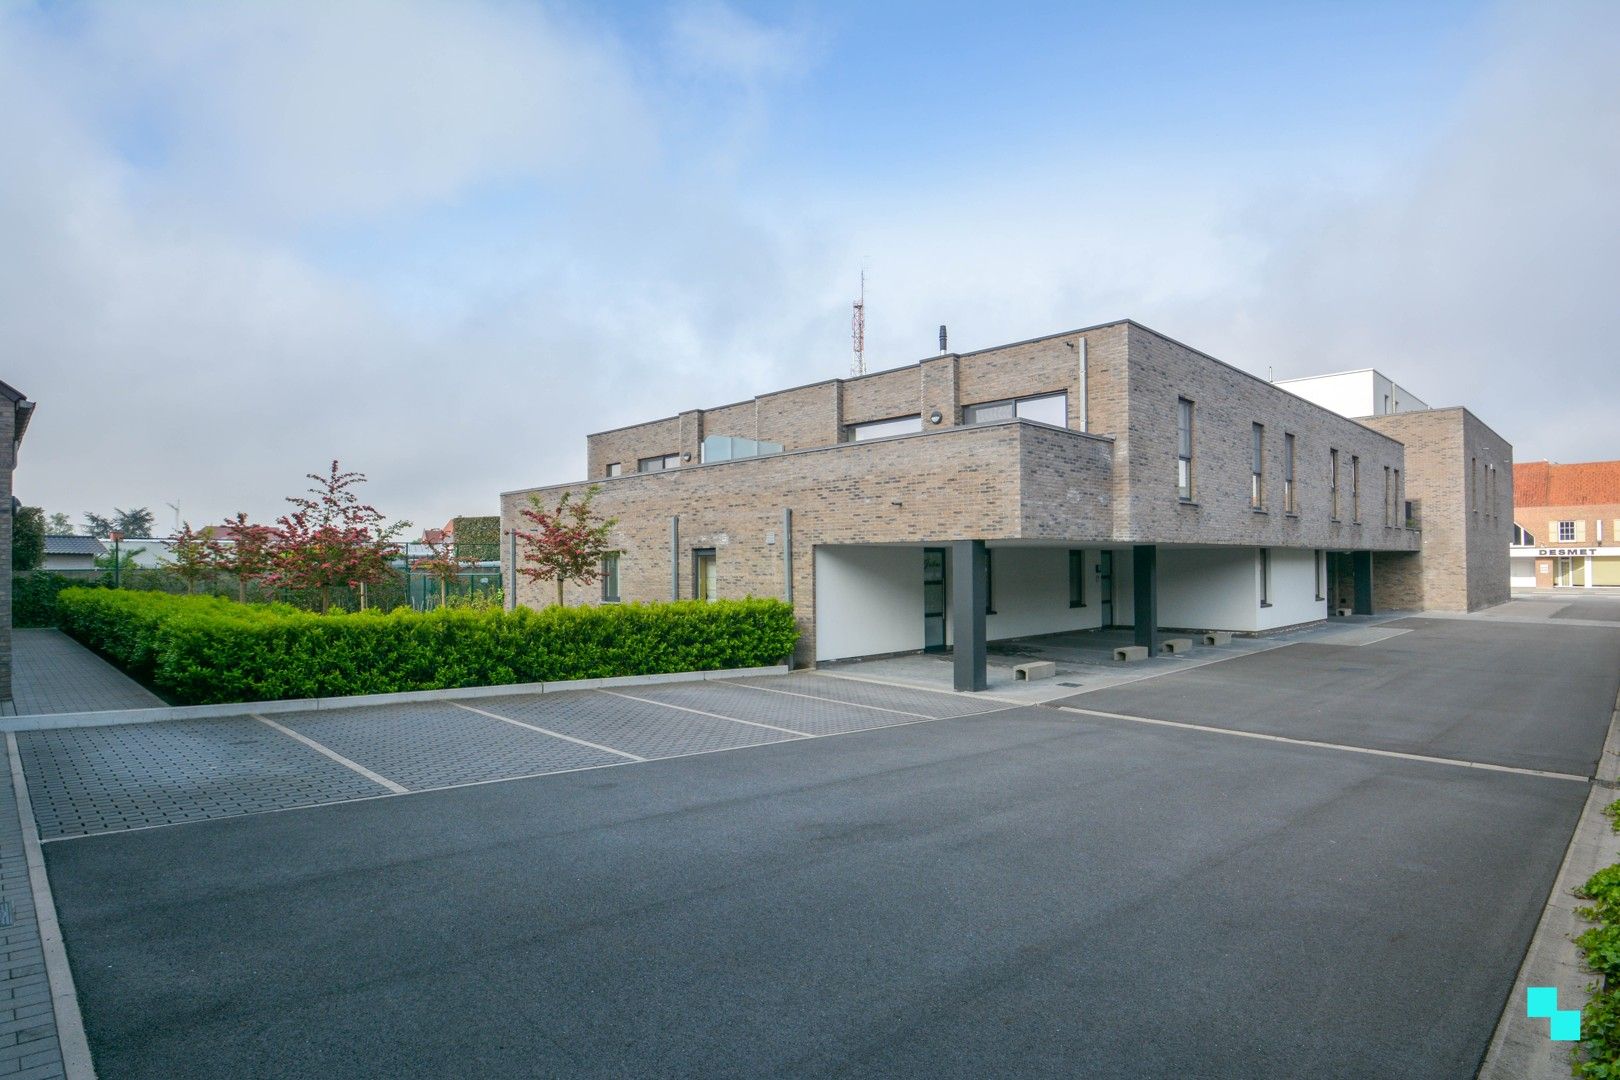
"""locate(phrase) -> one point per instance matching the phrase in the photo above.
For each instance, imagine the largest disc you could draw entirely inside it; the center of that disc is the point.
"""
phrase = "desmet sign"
(1566, 551)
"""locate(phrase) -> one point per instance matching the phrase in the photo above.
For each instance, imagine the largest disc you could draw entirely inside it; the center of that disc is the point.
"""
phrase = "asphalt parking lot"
(944, 887)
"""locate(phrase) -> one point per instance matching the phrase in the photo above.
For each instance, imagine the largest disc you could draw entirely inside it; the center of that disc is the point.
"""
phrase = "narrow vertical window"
(1184, 449)
(1473, 485)
(610, 578)
(1257, 466)
(1333, 481)
(1077, 579)
(1400, 504)
(989, 582)
(1265, 577)
(1389, 499)
(1355, 488)
(1288, 475)
(1316, 561)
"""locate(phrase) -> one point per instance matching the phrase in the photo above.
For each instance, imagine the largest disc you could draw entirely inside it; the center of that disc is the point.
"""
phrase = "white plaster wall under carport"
(869, 600)
(1218, 588)
(1029, 589)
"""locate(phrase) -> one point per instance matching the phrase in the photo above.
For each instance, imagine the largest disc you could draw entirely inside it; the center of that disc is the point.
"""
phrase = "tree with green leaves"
(136, 522)
(58, 524)
(566, 543)
(27, 539)
(98, 526)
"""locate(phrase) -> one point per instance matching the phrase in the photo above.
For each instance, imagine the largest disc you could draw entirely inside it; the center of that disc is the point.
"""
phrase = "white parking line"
(397, 789)
(715, 715)
(1458, 762)
(829, 701)
(70, 1037)
(547, 731)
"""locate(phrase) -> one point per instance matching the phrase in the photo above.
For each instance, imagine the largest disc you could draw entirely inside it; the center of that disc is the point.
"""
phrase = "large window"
(1257, 466)
(879, 429)
(1077, 579)
(610, 578)
(1522, 537)
(659, 463)
(1184, 449)
(1289, 506)
(1333, 482)
(1566, 530)
(1044, 408)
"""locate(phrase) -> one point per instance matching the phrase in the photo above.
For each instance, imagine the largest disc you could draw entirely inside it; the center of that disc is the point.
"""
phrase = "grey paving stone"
(436, 745)
(646, 730)
(801, 714)
(52, 673)
(884, 696)
(85, 780)
(28, 1045)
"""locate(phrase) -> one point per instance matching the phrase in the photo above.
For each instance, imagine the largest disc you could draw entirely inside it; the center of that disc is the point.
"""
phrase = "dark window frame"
(1077, 578)
(610, 578)
(1186, 448)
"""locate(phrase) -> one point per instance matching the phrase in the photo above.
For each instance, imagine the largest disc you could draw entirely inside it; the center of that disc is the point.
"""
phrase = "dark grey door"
(1105, 588)
(934, 599)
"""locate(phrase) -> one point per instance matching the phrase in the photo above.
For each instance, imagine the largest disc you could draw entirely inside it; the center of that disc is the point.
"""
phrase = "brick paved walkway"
(52, 673)
(28, 1045)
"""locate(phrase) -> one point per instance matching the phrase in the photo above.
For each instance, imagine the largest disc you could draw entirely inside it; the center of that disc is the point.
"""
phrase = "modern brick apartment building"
(1566, 524)
(1107, 476)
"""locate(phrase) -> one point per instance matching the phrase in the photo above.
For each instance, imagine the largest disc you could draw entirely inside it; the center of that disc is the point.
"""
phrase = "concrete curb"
(1520, 1048)
(110, 717)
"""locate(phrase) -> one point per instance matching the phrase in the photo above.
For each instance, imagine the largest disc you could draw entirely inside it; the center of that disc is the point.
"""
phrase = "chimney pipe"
(942, 337)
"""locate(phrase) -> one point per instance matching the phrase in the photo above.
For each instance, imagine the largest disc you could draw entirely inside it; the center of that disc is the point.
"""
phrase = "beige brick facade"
(1461, 488)
(1109, 480)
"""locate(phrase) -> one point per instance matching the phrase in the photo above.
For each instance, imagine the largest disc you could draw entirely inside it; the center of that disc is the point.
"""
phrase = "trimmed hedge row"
(33, 596)
(204, 650)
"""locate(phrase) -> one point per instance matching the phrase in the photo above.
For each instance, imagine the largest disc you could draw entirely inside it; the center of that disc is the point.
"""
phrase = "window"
(1289, 506)
(1333, 482)
(1522, 537)
(989, 582)
(659, 463)
(1077, 579)
(1473, 485)
(1566, 530)
(1389, 500)
(613, 469)
(1316, 561)
(705, 577)
(1043, 408)
(610, 578)
(1184, 449)
(1265, 577)
(1355, 488)
(1400, 518)
(1257, 466)
(1386, 404)
(879, 429)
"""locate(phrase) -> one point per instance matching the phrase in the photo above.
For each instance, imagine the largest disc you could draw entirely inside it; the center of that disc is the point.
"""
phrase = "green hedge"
(33, 596)
(200, 650)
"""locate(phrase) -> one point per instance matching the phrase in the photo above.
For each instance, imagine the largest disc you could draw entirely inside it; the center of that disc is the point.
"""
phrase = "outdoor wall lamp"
(935, 417)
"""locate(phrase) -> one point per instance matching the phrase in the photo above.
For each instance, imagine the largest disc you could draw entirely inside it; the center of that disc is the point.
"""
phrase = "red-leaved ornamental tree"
(567, 543)
(443, 564)
(242, 549)
(332, 539)
(191, 555)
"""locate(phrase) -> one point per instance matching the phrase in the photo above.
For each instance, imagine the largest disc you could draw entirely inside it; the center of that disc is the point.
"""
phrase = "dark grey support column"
(1361, 572)
(970, 587)
(674, 558)
(1145, 593)
(787, 555)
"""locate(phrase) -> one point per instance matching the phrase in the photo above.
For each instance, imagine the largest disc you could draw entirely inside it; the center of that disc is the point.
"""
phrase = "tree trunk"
(241, 589)
(362, 596)
(444, 593)
(559, 590)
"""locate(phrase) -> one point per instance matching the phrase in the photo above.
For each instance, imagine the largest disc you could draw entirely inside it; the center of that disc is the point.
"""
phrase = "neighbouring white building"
(1356, 393)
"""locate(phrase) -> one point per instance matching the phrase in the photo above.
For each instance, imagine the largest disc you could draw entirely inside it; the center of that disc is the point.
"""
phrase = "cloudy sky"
(444, 241)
